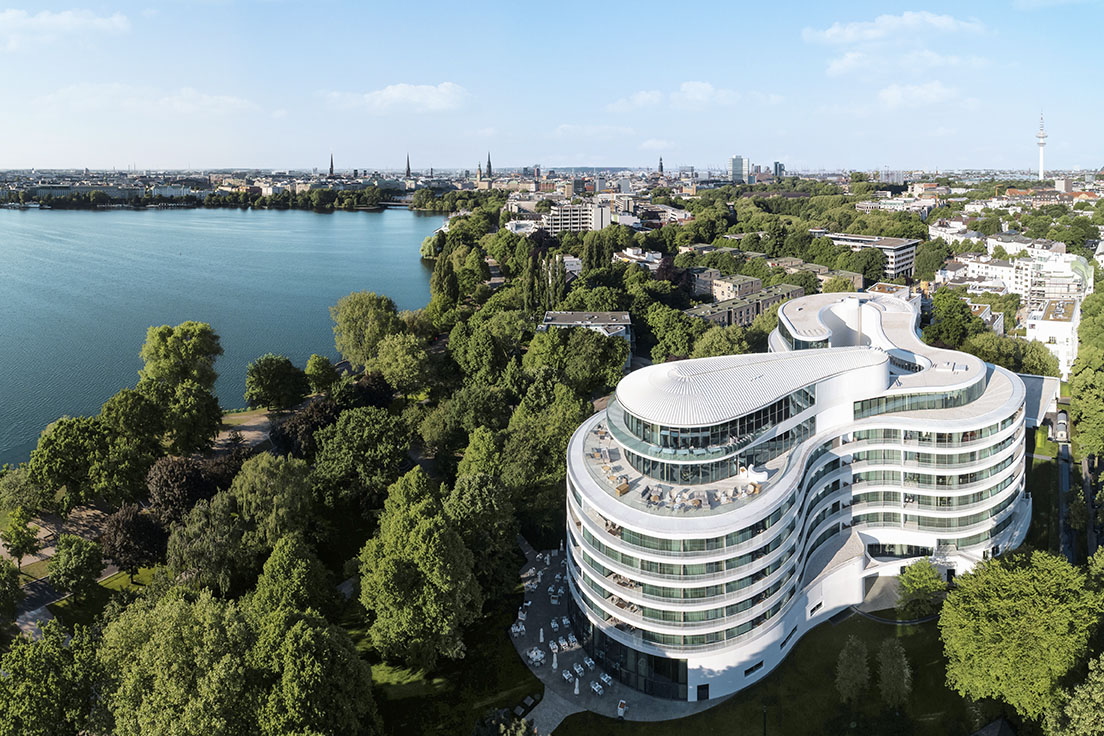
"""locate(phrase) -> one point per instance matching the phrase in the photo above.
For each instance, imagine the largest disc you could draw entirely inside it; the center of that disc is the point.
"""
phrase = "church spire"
(408, 166)
(488, 164)
(661, 164)
(331, 164)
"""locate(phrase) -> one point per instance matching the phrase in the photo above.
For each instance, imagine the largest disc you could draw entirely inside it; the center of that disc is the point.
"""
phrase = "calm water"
(79, 289)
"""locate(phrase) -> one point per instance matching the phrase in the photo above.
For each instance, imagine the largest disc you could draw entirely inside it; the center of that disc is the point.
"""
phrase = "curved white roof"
(705, 391)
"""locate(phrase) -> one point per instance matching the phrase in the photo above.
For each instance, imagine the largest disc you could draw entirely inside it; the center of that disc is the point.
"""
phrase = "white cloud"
(885, 26)
(849, 62)
(404, 97)
(636, 101)
(656, 144)
(19, 29)
(702, 94)
(928, 58)
(185, 102)
(767, 98)
(917, 95)
(570, 130)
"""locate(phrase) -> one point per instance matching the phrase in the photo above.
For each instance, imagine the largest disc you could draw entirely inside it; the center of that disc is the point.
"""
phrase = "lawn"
(452, 698)
(233, 419)
(71, 611)
(1044, 446)
(801, 699)
(34, 571)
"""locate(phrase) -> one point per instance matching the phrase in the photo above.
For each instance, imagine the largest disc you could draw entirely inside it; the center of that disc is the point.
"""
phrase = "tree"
(716, 341)
(483, 453)
(1087, 397)
(402, 360)
(66, 453)
(20, 537)
(211, 548)
(1014, 626)
(175, 485)
(361, 320)
(76, 565)
(952, 320)
(920, 586)
(675, 333)
(852, 670)
(273, 381)
(1079, 711)
(194, 418)
(929, 259)
(131, 414)
(321, 373)
(480, 510)
(176, 355)
(894, 673)
(273, 495)
(296, 434)
(585, 360)
(133, 539)
(417, 578)
(178, 665)
(17, 489)
(49, 687)
(838, 284)
(359, 456)
(293, 579)
(320, 684)
(11, 592)
(870, 262)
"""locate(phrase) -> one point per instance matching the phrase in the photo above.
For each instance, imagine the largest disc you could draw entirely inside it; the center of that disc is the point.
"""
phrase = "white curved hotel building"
(721, 507)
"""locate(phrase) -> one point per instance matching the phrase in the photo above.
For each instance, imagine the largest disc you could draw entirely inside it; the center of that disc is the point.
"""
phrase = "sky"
(280, 84)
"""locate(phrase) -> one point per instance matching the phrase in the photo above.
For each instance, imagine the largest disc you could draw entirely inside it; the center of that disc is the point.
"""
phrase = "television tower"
(1041, 136)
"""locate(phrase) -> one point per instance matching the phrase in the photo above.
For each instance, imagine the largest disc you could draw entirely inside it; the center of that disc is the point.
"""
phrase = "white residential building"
(953, 231)
(649, 258)
(1014, 243)
(576, 218)
(1055, 276)
(720, 508)
(1055, 325)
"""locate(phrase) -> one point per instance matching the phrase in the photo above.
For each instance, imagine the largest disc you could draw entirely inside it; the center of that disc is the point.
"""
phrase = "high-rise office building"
(779, 170)
(739, 169)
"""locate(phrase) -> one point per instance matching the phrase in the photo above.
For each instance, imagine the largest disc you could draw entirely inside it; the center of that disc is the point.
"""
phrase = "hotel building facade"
(719, 508)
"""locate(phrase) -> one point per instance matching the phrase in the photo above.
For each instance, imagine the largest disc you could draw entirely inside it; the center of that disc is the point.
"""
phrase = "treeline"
(315, 199)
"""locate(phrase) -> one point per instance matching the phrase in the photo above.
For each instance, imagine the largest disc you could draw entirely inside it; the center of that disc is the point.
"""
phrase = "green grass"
(801, 699)
(1042, 483)
(1044, 446)
(238, 418)
(453, 697)
(34, 571)
(84, 611)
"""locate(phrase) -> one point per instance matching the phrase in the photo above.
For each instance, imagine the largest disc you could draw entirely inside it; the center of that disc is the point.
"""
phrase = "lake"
(79, 288)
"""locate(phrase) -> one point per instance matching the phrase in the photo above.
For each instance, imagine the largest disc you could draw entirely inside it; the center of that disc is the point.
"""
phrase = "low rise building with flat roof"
(900, 253)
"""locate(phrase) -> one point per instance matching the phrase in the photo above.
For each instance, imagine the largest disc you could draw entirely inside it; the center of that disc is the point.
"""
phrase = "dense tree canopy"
(76, 565)
(417, 577)
(1014, 626)
(176, 355)
(359, 456)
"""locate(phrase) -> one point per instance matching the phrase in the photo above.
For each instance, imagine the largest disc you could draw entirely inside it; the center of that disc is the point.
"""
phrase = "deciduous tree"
(417, 578)
(1014, 626)
(66, 453)
(852, 670)
(359, 456)
(75, 566)
(212, 549)
(402, 360)
(920, 588)
(894, 673)
(361, 320)
(274, 382)
(480, 510)
(273, 496)
(321, 373)
(21, 537)
(133, 539)
(176, 355)
(11, 592)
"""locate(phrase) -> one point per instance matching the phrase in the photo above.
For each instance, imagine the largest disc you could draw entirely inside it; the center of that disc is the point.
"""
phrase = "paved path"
(560, 699)
(1065, 538)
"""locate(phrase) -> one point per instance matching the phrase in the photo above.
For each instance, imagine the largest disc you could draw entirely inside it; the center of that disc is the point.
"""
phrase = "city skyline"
(225, 84)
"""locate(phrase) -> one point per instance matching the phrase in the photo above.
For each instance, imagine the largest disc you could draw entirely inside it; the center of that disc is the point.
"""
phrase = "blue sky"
(274, 84)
